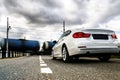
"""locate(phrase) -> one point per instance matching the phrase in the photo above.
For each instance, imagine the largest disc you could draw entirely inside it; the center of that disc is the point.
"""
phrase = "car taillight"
(114, 36)
(81, 35)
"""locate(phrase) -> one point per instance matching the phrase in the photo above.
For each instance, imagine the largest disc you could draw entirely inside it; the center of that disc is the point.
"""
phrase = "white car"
(86, 42)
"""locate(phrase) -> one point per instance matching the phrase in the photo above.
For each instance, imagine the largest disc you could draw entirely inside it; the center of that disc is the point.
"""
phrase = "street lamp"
(8, 28)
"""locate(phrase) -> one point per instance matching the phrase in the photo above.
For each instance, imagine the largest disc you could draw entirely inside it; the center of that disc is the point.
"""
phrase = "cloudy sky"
(42, 19)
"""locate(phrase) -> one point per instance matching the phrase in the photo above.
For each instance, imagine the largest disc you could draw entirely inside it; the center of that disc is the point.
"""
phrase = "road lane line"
(46, 70)
(43, 64)
(43, 67)
(40, 59)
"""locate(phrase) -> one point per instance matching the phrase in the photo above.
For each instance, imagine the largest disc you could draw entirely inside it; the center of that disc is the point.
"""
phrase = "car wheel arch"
(67, 58)
(64, 45)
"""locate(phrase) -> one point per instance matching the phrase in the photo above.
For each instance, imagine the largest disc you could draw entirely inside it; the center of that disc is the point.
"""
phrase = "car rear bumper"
(99, 51)
(96, 52)
(102, 51)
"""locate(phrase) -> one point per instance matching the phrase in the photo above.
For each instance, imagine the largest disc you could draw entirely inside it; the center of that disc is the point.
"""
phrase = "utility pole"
(63, 26)
(7, 48)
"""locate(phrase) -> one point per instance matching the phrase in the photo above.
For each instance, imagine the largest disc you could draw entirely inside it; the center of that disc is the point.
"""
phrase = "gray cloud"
(50, 3)
(44, 13)
(49, 13)
(103, 12)
(11, 3)
(113, 10)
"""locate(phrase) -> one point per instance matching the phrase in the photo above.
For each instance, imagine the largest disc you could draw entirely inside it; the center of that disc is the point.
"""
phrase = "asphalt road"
(43, 68)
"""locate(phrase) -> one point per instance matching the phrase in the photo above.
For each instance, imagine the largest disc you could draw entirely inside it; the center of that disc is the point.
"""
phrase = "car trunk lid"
(101, 38)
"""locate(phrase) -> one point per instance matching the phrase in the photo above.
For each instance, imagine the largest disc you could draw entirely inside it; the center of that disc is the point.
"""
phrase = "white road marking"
(44, 68)
(43, 64)
(40, 58)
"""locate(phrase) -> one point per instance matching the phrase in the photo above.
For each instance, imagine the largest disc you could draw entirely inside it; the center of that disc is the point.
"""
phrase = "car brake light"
(81, 35)
(114, 36)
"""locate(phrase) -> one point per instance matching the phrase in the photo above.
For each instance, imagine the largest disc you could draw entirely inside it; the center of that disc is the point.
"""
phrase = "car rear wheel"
(65, 54)
(104, 58)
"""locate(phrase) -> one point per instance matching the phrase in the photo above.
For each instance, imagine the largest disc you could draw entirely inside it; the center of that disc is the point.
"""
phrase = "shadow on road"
(89, 61)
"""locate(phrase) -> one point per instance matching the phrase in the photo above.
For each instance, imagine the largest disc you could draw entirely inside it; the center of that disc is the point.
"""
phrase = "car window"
(67, 33)
(60, 38)
(64, 34)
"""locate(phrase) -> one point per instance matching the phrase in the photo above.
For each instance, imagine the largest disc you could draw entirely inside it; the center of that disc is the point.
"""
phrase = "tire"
(104, 58)
(65, 54)
(53, 57)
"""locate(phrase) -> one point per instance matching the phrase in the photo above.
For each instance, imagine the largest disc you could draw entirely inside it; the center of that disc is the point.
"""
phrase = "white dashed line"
(46, 70)
(43, 67)
(43, 64)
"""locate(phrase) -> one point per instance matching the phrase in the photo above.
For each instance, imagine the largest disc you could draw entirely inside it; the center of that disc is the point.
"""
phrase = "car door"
(58, 46)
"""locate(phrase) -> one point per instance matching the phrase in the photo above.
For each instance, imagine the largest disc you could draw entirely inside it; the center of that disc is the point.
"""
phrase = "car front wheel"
(65, 54)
